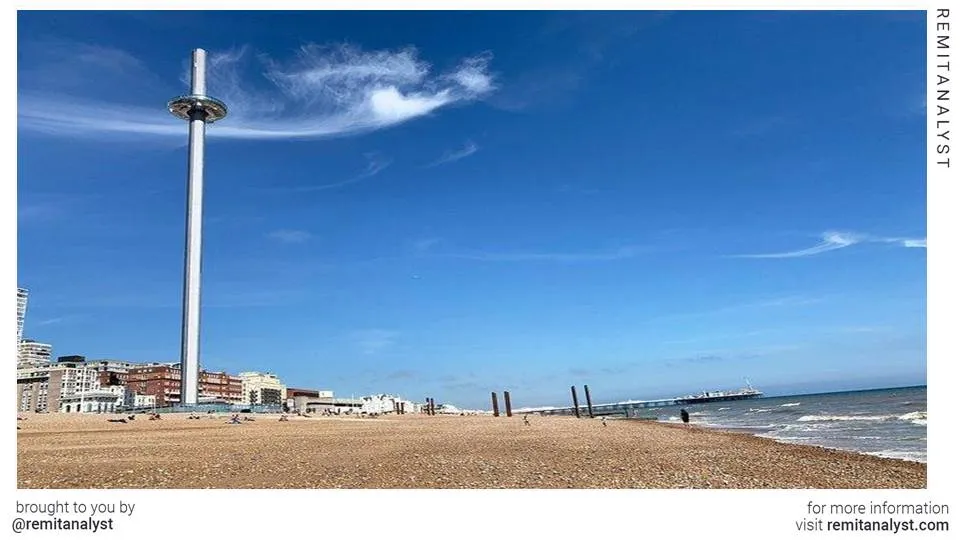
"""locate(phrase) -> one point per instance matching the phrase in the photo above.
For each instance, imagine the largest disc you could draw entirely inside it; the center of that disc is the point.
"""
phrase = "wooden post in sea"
(576, 404)
(433, 408)
(496, 405)
(506, 403)
(586, 391)
(403, 408)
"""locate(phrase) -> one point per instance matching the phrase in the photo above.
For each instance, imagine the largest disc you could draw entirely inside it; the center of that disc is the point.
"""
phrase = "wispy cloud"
(290, 236)
(43, 207)
(373, 341)
(425, 244)
(776, 302)
(833, 240)
(58, 320)
(375, 164)
(325, 91)
(626, 252)
(468, 149)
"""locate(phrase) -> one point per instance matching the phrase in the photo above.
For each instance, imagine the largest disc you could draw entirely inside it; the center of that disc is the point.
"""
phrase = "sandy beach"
(86, 451)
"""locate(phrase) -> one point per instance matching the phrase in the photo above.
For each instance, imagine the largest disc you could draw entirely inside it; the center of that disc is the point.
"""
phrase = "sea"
(889, 422)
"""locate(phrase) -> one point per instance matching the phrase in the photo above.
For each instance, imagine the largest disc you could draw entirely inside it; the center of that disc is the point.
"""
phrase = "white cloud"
(469, 148)
(833, 240)
(325, 91)
(375, 164)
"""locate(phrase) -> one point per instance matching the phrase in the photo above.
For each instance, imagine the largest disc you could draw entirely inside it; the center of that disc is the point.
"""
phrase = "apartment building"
(113, 372)
(262, 389)
(33, 385)
(32, 353)
(42, 388)
(162, 381)
(21, 311)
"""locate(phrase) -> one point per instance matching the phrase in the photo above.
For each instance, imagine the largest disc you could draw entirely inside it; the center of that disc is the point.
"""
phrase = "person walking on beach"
(685, 416)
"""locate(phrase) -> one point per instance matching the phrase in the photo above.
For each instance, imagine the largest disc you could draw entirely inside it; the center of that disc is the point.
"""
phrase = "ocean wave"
(758, 410)
(920, 457)
(791, 405)
(841, 418)
(723, 409)
(915, 415)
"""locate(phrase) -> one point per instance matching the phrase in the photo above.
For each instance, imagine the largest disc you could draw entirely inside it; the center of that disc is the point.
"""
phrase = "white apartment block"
(262, 389)
(32, 353)
(21, 310)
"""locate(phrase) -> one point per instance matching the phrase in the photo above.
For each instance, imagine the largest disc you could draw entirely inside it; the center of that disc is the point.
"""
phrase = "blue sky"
(448, 204)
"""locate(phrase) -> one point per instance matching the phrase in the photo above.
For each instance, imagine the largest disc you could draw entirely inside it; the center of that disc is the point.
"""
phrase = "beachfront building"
(124, 396)
(162, 381)
(113, 372)
(42, 388)
(21, 311)
(220, 387)
(262, 389)
(31, 353)
(306, 401)
(144, 401)
(95, 401)
(385, 403)
(33, 385)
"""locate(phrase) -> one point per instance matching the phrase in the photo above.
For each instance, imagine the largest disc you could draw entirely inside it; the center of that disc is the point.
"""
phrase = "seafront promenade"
(412, 451)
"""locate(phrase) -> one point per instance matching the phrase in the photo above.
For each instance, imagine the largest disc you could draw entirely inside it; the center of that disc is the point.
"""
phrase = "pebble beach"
(411, 451)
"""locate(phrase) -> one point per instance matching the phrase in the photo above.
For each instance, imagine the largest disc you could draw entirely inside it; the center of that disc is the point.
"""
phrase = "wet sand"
(410, 451)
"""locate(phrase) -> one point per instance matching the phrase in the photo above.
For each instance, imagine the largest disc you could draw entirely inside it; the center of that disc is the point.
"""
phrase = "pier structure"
(630, 408)
(621, 408)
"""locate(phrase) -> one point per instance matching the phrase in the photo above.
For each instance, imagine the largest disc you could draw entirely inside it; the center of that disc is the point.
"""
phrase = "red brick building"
(163, 382)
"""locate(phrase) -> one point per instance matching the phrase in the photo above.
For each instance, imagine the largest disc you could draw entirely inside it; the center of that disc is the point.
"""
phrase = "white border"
(538, 513)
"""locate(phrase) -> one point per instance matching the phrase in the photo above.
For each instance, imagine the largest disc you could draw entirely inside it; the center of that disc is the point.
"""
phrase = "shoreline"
(74, 452)
(759, 433)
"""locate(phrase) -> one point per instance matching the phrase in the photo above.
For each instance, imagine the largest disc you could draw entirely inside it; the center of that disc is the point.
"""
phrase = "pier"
(626, 409)
(631, 408)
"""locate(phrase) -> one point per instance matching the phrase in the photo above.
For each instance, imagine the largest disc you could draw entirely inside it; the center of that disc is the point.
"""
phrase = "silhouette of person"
(685, 416)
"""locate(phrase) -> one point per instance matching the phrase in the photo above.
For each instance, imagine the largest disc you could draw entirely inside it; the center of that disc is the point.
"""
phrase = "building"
(144, 401)
(162, 381)
(43, 388)
(220, 386)
(293, 393)
(124, 397)
(262, 389)
(385, 403)
(33, 385)
(96, 401)
(112, 372)
(21, 311)
(32, 353)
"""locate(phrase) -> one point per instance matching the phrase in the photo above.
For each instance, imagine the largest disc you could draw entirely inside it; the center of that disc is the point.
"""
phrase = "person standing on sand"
(685, 416)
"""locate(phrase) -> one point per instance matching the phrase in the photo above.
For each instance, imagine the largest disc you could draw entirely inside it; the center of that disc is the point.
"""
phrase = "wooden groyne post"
(576, 404)
(496, 405)
(506, 403)
(586, 391)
